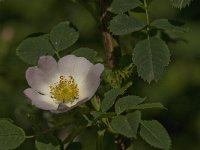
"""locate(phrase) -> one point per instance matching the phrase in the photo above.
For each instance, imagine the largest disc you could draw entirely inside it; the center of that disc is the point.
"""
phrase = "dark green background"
(178, 90)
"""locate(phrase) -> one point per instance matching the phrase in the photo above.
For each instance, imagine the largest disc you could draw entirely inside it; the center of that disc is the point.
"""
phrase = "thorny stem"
(108, 40)
(147, 17)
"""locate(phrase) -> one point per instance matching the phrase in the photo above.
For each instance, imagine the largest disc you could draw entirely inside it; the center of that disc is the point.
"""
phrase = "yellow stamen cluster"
(65, 90)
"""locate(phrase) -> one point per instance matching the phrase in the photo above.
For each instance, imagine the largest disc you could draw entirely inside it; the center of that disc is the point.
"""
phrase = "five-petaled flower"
(60, 86)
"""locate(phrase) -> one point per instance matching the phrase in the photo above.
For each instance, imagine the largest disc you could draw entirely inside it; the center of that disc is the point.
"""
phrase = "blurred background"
(178, 90)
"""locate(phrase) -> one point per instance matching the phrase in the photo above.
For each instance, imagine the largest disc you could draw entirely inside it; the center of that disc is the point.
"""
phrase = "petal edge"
(40, 101)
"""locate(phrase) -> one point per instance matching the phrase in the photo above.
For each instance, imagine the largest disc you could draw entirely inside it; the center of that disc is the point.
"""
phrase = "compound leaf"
(155, 134)
(88, 53)
(32, 48)
(11, 136)
(127, 125)
(124, 24)
(166, 25)
(109, 99)
(151, 56)
(127, 102)
(149, 106)
(63, 36)
(121, 6)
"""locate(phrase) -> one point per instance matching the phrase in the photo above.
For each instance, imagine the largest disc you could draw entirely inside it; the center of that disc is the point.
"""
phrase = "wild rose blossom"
(60, 86)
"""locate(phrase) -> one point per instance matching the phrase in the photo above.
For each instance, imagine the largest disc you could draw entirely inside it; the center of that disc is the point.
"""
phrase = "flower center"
(65, 90)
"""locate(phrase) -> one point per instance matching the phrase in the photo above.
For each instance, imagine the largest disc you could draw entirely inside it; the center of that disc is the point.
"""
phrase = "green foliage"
(108, 114)
(149, 106)
(88, 53)
(116, 78)
(11, 136)
(151, 56)
(166, 25)
(180, 3)
(127, 102)
(124, 24)
(63, 36)
(44, 146)
(109, 99)
(121, 6)
(32, 48)
(96, 103)
(127, 125)
(88, 139)
(155, 134)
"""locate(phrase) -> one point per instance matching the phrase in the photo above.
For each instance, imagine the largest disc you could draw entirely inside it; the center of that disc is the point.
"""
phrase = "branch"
(110, 43)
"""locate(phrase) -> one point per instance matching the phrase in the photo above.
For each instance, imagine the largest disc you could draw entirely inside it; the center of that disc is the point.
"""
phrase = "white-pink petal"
(49, 66)
(41, 101)
(91, 82)
(36, 79)
(48, 71)
(77, 67)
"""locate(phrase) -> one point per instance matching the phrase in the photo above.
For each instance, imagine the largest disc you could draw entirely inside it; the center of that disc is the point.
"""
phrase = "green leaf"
(96, 114)
(109, 99)
(155, 134)
(149, 106)
(11, 136)
(44, 146)
(134, 119)
(151, 56)
(63, 36)
(180, 3)
(88, 138)
(88, 53)
(96, 103)
(127, 125)
(166, 25)
(32, 48)
(127, 102)
(124, 24)
(121, 6)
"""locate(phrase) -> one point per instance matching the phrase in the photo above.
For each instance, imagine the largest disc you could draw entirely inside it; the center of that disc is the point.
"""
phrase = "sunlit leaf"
(127, 102)
(120, 6)
(124, 24)
(11, 136)
(32, 48)
(151, 56)
(63, 36)
(155, 134)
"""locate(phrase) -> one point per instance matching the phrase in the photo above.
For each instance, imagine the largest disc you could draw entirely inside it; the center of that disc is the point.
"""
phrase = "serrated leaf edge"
(141, 124)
